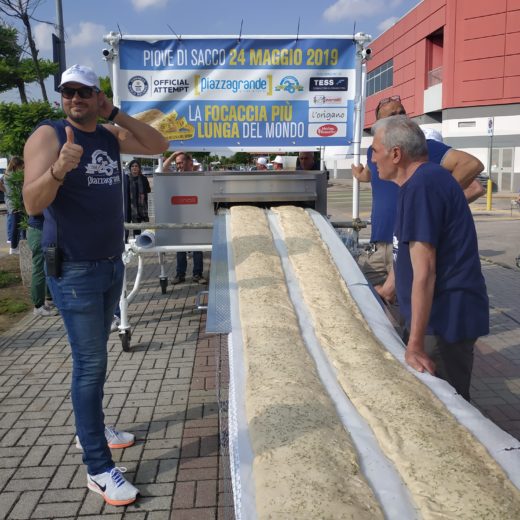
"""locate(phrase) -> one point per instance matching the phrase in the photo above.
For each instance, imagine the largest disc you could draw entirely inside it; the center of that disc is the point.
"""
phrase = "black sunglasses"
(83, 92)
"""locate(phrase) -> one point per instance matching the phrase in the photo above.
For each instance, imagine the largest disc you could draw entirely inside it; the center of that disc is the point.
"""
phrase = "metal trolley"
(186, 205)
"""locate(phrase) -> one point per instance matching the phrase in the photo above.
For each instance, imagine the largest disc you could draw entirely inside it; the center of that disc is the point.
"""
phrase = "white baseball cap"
(80, 74)
(278, 159)
(432, 133)
(261, 160)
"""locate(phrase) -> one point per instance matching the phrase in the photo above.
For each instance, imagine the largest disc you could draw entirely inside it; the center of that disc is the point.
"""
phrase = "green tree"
(241, 158)
(15, 71)
(18, 121)
(23, 11)
(106, 86)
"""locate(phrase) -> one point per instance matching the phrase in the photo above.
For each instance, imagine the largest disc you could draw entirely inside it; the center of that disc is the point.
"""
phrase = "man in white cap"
(261, 164)
(73, 175)
(278, 162)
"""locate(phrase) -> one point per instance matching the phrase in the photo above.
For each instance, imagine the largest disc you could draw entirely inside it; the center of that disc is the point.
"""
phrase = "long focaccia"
(305, 466)
(447, 471)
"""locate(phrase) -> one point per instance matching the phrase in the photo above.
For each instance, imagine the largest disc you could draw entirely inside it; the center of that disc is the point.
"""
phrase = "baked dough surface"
(305, 465)
(448, 472)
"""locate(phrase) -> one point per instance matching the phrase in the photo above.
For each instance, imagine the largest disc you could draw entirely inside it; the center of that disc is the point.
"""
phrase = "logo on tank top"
(102, 169)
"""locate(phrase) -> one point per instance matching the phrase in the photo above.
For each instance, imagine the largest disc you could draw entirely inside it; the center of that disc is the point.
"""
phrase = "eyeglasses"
(386, 100)
(83, 92)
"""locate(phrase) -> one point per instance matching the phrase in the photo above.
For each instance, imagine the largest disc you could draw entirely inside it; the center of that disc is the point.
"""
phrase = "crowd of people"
(423, 252)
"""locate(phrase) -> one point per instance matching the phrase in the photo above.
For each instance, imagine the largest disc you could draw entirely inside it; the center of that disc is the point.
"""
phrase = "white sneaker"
(113, 487)
(44, 311)
(14, 251)
(115, 324)
(115, 439)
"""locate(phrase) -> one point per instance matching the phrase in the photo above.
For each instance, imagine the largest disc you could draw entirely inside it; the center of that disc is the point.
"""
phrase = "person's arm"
(422, 256)
(361, 173)
(46, 166)
(474, 191)
(387, 290)
(134, 136)
(167, 163)
(463, 166)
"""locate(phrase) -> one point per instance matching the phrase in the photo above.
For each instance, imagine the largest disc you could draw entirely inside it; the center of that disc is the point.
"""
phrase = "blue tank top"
(87, 213)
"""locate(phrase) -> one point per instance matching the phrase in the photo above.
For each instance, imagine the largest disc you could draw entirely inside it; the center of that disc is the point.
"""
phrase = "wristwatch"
(113, 114)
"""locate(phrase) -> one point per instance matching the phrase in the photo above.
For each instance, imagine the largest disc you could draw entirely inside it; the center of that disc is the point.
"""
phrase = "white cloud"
(386, 24)
(42, 36)
(344, 9)
(141, 5)
(87, 33)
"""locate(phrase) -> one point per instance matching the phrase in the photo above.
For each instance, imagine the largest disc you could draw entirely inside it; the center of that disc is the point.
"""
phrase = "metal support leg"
(163, 279)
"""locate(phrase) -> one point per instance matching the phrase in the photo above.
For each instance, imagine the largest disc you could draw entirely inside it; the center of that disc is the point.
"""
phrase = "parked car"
(147, 170)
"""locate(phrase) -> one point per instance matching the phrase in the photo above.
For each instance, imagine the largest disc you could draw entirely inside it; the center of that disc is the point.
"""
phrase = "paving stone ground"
(167, 391)
(164, 391)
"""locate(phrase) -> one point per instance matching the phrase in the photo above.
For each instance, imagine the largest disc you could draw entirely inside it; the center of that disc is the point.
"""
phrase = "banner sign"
(246, 94)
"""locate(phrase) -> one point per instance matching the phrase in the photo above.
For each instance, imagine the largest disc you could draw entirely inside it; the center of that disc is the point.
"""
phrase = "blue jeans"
(86, 295)
(182, 263)
(14, 233)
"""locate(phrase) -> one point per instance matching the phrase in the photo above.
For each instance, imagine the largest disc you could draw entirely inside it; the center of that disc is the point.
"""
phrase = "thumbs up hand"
(70, 155)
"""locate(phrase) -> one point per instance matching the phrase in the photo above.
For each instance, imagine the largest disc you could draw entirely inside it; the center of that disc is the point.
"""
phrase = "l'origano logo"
(138, 86)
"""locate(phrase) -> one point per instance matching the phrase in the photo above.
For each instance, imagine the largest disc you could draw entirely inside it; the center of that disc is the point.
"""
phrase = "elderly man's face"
(260, 166)
(383, 158)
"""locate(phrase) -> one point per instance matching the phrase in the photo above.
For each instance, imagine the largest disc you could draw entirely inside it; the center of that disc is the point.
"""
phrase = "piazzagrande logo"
(205, 85)
(102, 169)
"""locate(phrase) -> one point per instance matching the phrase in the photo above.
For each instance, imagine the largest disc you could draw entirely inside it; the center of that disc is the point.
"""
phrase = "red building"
(456, 66)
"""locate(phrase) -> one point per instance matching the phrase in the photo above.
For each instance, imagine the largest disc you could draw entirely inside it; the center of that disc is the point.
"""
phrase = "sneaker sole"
(109, 500)
(121, 446)
(112, 446)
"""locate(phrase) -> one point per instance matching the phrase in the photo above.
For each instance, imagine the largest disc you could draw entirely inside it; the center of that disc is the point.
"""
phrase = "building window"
(467, 124)
(380, 78)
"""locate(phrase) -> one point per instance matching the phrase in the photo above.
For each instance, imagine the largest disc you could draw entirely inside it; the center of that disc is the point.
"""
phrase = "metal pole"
(61, 33)
(358, 116)
(491, 132)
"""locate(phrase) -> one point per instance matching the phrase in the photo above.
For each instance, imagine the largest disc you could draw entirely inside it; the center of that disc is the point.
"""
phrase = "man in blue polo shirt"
(437, 275)
(377, 263)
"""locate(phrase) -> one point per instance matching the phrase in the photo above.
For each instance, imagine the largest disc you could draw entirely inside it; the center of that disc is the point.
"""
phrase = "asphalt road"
(498, 230)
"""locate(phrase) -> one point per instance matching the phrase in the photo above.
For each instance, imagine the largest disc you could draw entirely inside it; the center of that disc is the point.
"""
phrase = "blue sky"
(87, 21)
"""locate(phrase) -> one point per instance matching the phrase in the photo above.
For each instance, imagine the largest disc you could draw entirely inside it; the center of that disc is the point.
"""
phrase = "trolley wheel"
(164, 284)
(125, 337)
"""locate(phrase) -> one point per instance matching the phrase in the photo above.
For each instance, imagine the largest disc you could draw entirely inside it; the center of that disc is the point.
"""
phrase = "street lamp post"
(61, 34)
